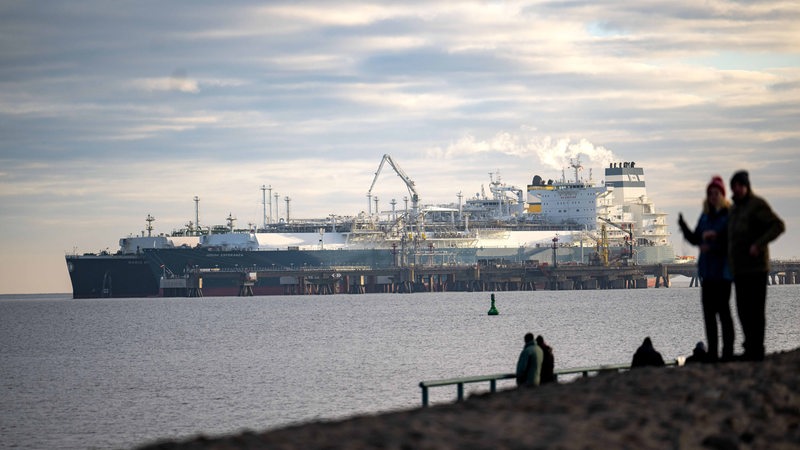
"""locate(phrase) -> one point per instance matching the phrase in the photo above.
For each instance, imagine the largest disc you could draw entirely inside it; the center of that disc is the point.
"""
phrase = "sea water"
(117, 373)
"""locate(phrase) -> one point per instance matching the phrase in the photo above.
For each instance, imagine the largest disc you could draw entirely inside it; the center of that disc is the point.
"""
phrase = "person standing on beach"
(529, 364)
(646, 355)
(751, 226)
(548, 361)
(711, 235)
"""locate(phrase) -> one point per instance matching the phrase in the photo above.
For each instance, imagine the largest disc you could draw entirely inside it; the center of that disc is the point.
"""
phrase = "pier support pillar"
(662, 276)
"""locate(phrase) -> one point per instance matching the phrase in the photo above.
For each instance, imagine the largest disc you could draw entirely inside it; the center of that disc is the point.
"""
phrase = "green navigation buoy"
(493, 310)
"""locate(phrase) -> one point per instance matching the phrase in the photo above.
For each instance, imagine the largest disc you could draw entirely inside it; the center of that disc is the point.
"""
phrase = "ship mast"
(269, 199)
(264, 205)
(197, 213)
(277, 204)
(149, 220)
(576, 165)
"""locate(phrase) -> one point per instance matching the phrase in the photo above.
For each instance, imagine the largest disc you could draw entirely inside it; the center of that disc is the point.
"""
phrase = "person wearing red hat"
(710, 235)
(752, 225)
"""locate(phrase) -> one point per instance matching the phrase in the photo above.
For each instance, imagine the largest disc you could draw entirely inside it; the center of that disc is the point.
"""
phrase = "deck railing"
(492, 379)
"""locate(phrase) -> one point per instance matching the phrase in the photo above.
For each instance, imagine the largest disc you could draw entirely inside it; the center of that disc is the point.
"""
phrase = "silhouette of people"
(529, 364)
(699, 354)
(711, 235)
(751, 226)
(646, 355)
(547, 374)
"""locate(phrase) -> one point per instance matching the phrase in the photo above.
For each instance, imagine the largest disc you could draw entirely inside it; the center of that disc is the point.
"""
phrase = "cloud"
(178, 82)
(111, 112)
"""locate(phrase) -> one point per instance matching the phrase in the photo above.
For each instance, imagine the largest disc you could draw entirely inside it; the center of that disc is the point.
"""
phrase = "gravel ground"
(737, 405)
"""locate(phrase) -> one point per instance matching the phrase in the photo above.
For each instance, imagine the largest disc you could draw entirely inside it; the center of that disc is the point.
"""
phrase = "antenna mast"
(576, 165)
(149, 220)
(277, 214)
(197, 212)
(264, 204)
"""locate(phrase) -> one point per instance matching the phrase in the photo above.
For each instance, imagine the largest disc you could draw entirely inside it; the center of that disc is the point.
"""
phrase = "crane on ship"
(412, 191)
(499, 190)
(628, 230)
(600, 256)
(411, 221)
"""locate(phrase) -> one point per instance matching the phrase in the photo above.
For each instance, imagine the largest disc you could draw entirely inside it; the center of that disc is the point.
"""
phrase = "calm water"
(120, 373)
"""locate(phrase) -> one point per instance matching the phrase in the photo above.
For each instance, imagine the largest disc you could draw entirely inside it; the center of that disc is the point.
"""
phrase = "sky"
(110, 111)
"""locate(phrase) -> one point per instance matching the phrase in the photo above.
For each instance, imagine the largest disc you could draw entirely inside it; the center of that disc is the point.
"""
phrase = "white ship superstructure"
(578, 216)
(574, 202)
(632, 206)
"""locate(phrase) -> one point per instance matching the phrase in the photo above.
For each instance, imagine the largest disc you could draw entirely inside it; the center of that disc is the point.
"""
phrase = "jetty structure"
(473, 278)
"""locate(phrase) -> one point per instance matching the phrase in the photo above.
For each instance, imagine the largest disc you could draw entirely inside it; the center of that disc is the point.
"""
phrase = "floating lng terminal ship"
(606, 224)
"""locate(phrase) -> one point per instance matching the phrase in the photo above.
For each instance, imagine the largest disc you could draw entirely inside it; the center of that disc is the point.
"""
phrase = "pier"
(494, 276)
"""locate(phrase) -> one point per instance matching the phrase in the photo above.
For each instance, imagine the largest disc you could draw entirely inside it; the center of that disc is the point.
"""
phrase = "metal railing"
(492, 379)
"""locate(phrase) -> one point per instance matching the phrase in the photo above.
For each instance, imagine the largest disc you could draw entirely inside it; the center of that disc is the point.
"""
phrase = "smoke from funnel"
(552, 153)
(557, 154)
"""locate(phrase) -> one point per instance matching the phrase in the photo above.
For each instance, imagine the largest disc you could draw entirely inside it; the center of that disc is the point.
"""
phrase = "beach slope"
(748, 405)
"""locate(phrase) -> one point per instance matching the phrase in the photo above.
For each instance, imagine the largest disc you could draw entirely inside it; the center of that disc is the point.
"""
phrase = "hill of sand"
(746, 405)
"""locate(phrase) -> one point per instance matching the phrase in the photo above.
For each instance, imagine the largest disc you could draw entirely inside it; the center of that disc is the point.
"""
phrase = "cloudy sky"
(110, 111)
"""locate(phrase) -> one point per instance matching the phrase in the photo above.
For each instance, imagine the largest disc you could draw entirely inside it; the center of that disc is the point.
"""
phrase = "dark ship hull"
(108, 276)
(157, 272)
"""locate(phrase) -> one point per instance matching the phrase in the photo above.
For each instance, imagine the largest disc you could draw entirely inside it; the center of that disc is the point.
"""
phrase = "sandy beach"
(737, 405)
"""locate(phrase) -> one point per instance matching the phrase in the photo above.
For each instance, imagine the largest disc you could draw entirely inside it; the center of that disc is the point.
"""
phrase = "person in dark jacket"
(711, 235)
(646, 355)
(529, 363)
(548, 361)
(699, 354)
(751, 226)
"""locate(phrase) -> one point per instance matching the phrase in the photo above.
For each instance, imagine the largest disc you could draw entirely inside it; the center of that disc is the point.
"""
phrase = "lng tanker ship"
(592, 224)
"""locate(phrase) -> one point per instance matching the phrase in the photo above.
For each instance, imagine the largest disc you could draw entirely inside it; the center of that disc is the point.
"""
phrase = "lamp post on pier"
(555, 246)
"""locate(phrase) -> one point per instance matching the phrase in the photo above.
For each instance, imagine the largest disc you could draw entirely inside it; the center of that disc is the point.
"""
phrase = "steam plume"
(552, 153)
